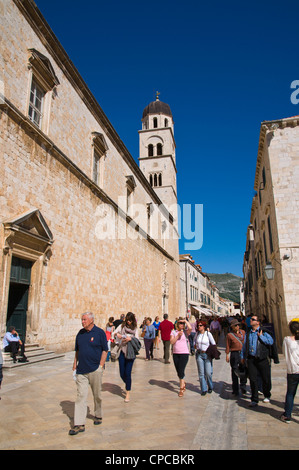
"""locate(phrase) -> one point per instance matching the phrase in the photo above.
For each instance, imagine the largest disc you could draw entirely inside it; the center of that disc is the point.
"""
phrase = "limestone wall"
(50, 169)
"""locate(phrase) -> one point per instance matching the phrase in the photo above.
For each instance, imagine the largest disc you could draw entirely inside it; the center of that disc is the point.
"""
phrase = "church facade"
(82, 226)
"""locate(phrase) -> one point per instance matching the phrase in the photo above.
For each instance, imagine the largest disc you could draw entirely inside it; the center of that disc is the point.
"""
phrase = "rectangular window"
(256, 269)
(36, 102)
(270, 235)
(129, 201)
(265, 248)
(96, 167)
(264, 176)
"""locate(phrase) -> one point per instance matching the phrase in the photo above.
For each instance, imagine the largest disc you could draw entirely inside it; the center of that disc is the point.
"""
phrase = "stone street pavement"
(37, 408)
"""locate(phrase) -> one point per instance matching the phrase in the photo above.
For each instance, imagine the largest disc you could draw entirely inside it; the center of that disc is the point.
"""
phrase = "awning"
(202, 310)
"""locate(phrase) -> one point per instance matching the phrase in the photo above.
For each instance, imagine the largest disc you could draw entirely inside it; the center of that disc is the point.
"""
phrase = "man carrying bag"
(256, 354)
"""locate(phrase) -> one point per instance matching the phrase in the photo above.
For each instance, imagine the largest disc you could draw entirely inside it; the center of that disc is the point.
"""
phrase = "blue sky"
(223, 67)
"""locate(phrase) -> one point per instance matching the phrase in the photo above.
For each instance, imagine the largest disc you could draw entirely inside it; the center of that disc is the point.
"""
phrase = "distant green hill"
(228, 285)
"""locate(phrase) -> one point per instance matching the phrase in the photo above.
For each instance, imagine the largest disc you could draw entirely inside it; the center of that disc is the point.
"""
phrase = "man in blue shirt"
(12, 343)
(91, 352)
(255, 353)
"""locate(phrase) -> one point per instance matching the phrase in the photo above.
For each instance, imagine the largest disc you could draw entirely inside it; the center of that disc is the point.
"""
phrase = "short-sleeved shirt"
(181, 345)
(90, 345)
(165, 327)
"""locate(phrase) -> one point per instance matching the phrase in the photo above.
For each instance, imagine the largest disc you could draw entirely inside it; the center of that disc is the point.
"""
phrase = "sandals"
(182, 390)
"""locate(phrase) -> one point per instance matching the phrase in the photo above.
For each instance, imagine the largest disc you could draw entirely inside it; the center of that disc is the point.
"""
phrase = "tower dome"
(157, 107)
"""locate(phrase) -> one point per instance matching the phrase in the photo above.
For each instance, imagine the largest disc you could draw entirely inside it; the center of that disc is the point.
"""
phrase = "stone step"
(34, 353)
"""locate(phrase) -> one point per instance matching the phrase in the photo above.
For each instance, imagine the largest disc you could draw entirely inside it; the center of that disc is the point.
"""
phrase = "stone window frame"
(130, 187)
(156, 179)
(159, 149)
(35, 112)
(42, 75)
(99, 154)
(150, 150)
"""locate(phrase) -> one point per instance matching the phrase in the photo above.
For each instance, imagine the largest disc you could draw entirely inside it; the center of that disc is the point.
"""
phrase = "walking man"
(255, 353)
(166, 328)
(215, 329)
(91, 352)
(234, 344)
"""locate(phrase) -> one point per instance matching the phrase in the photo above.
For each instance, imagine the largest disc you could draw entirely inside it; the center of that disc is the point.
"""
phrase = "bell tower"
(157, 158)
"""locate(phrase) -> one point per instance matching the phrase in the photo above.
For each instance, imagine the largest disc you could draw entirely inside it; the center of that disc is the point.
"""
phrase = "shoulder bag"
(212, 351)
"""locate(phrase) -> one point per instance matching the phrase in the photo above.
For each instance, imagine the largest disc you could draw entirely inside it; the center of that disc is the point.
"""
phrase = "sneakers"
(285, 419)
(97, 421)
(266, 400)
(76, 429)
(252, 404)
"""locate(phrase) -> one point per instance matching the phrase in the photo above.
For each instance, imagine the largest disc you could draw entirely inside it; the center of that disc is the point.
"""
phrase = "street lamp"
(269, 271)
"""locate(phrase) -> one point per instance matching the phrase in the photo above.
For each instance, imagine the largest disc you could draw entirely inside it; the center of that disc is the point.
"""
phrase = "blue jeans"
(191, 341)
(292, 384)
(205, 371)
(125, 370)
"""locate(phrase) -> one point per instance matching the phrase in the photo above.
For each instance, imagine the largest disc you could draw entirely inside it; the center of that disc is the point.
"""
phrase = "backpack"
(273, 353)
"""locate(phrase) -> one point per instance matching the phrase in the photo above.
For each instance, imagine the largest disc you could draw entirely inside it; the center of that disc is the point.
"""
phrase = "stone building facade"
(71, 239)
(273, 233)
(199, 295)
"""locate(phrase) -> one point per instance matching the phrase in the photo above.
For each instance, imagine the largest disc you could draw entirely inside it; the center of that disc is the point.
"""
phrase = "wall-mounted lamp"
(270, 270)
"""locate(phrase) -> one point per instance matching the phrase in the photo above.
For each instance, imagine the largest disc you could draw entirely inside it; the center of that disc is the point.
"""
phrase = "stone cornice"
(268, 128)
(160, 157)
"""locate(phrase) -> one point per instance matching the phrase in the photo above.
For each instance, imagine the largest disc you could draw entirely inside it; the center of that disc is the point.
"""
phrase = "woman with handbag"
(203, 340)
(123, 334)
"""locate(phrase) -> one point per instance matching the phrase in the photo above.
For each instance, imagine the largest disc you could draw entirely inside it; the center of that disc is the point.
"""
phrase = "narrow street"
(37, 407)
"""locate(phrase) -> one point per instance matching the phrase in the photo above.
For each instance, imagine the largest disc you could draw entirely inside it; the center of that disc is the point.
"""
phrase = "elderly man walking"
(91, 352)
(255, 353)
(165, 328)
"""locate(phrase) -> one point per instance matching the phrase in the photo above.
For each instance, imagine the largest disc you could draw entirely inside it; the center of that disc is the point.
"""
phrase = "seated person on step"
(12, 343)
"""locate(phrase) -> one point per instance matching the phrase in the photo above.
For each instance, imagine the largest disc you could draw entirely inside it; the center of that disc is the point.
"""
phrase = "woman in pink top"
(180, 350)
